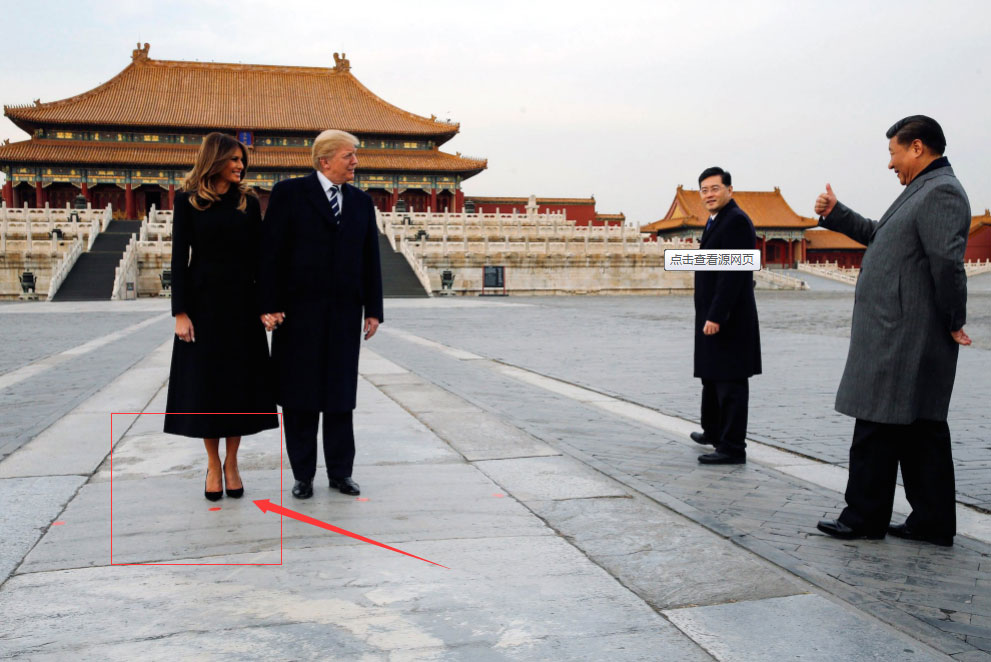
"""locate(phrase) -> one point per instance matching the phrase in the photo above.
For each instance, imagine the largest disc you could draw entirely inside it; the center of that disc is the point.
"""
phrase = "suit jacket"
(911, 293)
(727, 298)
(325, 276)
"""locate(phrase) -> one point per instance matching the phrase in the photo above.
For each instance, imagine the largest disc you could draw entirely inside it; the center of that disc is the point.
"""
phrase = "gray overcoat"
(911, 293)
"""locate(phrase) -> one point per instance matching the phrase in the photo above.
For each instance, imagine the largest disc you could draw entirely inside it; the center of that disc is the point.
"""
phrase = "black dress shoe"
(903, 531)
(345, 485)
(212, 496)
(838, 529)
(303, 489)
(719, 457)
(699, 438)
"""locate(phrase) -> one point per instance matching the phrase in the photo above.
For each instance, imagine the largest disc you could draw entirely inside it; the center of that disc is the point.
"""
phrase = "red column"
(39, 195)
(433, 199)
(84, 189)
(763, 252)
(171, 196)
(8, 193)
(129, 211)
(459, 202)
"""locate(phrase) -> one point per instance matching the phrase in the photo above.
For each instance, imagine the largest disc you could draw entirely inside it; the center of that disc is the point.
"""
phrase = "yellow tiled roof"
(821, 239)
(81, 152)
(979, 222)
(767, 210)
(209, 95)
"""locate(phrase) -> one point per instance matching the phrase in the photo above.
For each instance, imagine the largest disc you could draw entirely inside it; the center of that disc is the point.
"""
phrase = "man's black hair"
(727, 179)
(919, 127)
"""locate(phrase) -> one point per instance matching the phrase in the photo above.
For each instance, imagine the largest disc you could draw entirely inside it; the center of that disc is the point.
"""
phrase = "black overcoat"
(727, 298)
(227, 370)
(325, 276)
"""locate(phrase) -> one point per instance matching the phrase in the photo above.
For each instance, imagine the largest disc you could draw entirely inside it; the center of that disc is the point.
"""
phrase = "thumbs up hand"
(825, 202)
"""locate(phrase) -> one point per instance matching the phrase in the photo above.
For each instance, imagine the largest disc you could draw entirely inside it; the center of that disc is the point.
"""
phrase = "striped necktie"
(334, 204)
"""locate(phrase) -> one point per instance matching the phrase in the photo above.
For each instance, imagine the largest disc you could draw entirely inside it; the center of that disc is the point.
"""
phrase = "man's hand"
(184, 328)
(960, 337)
(371, 326)
(710, 328)
(825, 202)
(272, 320)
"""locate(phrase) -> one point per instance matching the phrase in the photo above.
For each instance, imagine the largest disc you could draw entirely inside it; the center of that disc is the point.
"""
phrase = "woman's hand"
(184, 328)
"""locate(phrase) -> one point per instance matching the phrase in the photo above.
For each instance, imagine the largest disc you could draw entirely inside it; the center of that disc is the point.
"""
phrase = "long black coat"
(227, 370)
(727, 298)
(325, 276)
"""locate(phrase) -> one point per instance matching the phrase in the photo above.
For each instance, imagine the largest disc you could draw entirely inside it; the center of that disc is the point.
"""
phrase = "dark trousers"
(301, 442)
(922, 449)
(724, 414)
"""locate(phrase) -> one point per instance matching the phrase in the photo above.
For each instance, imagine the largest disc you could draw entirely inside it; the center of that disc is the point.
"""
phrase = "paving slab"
(543, 478)
(791, 628)
(422, 398)
(30, 505)
(484, 436)
(664, 558)
(541, 600)
(78, 442)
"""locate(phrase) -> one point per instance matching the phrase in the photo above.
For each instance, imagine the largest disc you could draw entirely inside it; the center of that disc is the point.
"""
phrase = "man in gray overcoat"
(908, 317)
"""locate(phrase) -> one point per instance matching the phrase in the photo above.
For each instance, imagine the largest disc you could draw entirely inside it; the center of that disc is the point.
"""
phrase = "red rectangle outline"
(131, 413)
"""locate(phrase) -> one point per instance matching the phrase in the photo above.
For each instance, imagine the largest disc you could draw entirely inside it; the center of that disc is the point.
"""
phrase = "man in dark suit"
(319, 275)
(908, 317)
(727, 336)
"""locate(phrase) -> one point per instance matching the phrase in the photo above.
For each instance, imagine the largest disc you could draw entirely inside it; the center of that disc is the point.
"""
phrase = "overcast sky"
(624, 100)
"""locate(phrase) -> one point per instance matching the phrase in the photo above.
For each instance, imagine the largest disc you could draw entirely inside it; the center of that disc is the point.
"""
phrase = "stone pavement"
(89, 344)
(639, 349)
(940, 596)
(555, 552)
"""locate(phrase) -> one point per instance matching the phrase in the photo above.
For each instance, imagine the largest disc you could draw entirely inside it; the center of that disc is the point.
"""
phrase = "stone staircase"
(92, 277)
(398, 277)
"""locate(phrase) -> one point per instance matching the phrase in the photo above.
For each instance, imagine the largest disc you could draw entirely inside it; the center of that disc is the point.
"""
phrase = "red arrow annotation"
(265, 505)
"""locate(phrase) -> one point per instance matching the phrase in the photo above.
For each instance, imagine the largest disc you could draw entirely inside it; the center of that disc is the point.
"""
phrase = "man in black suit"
(319, 275)
(727, 337)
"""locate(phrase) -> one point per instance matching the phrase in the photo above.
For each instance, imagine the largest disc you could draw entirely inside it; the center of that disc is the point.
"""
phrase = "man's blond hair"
(328, 142)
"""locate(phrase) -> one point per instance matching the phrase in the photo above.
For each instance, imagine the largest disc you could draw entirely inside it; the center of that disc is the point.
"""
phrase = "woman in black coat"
(220, 383)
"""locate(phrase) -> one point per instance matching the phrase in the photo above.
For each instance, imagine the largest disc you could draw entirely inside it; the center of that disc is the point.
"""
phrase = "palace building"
(780, 231)
(130, 141)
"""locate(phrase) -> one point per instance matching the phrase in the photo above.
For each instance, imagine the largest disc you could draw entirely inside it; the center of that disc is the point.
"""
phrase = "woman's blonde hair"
(328, 142)
(215, 151)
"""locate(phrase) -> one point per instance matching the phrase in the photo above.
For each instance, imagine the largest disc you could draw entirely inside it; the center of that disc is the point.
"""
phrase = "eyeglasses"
(711, 189)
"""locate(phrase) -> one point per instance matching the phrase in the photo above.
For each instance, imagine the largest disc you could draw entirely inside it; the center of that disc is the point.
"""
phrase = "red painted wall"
(842, 258)
(979, 245)
(581, 214)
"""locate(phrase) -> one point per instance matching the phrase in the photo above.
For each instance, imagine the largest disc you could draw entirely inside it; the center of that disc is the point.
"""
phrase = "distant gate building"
(780, 231)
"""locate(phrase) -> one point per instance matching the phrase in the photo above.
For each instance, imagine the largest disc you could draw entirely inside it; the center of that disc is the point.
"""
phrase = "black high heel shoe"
(234, 494)
(212, 496)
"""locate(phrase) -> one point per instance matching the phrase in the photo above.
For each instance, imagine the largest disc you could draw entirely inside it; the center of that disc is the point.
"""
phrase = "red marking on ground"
(265, 505)
(215, 508)
(57, 523)
(361, 498)
(498, 495)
